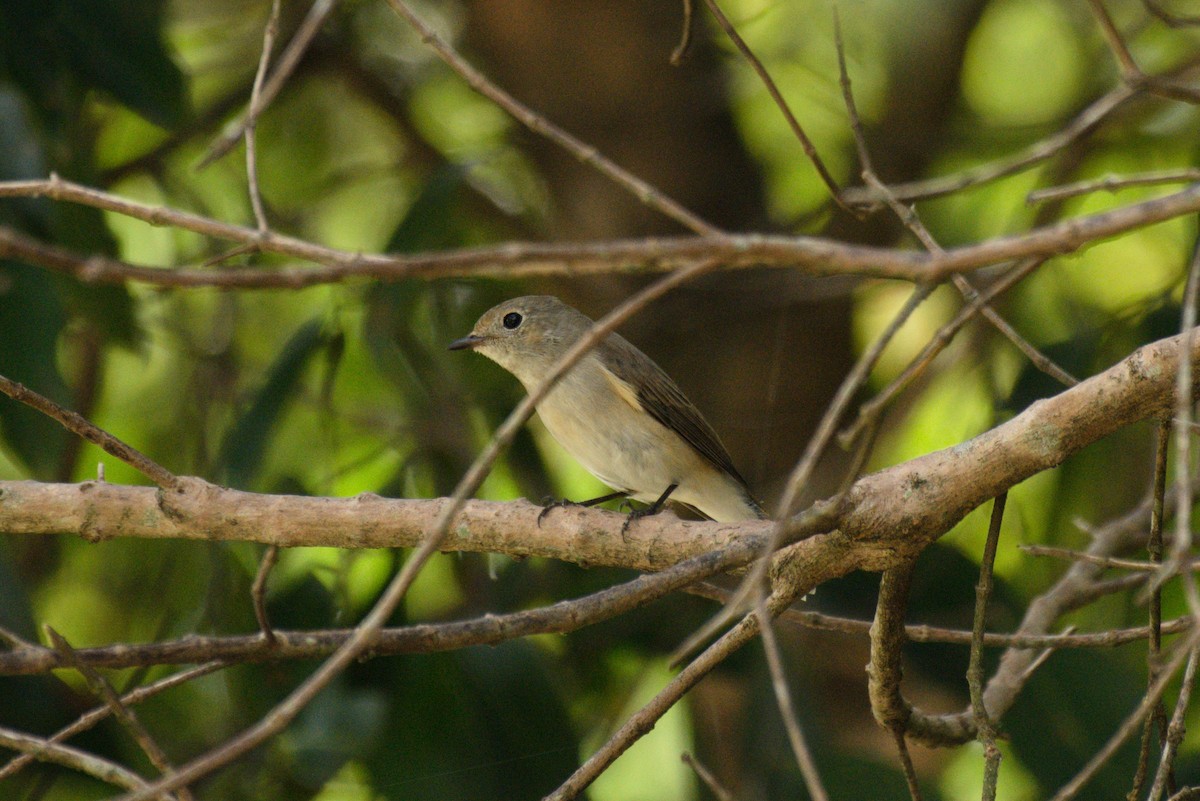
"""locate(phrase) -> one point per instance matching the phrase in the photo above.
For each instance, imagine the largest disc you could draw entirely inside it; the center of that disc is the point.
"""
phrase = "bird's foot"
(638, 514)
(550, 502)
(635, 514)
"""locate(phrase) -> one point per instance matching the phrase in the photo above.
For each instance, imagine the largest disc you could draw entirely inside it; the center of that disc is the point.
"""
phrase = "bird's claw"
(635, 514)
(550, 502)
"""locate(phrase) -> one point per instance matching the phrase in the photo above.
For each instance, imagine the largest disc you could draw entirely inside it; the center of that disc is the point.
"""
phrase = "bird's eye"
(512, 320)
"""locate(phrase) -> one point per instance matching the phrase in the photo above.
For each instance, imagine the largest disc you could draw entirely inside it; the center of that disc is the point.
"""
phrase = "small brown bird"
(615, 411)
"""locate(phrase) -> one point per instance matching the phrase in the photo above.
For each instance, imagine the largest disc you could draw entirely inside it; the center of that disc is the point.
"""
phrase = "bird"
(616, 412)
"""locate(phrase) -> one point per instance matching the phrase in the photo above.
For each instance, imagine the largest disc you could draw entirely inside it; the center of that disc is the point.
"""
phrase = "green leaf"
(430, 223)
(111, 45)
(246, 443)
(31, 319)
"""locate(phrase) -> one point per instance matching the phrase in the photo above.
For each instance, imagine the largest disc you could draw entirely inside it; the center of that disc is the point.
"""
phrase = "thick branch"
(886, 517)
(99, 511)
(902, 509)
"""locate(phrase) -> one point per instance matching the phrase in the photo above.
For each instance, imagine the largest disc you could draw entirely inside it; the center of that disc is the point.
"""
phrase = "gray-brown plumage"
(615, 411)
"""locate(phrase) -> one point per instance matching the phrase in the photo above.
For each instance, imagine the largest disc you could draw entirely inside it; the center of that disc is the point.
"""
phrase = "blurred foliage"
(348, 388)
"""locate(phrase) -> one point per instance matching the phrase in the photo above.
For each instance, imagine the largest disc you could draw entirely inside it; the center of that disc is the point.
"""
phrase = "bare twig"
(806, 144)
(283, 70)
(1154, 548)
(76, 759)
(984, 723)
(645, 718)
(1183, 651)
(870, 410)
(76, 424)
(1084, 123)
(681, 49)
(885, 673)
(1112, 183)
(563, 617)
(1181, 548)
(94, 716)
(906, 765)
(1130, 72)
(1103, 561)
(105, 692)
(807, 254)
(258, 592)
(1036, 357)
(706, 776)
(639, 188)
(1171, 19)
(270, 31)
(752, 583)
(787, 710)
(908, 216)
(1176, 729)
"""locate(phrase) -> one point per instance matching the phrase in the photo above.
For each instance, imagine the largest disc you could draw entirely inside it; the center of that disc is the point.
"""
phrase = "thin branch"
(1080, 126)
(810, 150)
(921, 633)
(1103, 561)
(1131, 723)
(984, 723)
(105, 692)
(94, 716)
(752, 584)
(586, 153)
(270, 31)
(909, 218)
(1112, 183)
(258, 592)
(870, 411)
(906, 765)
(283, 70)
(706, 776)
(787, 710)
(799, 478)
(491, 629)
(76, 424)
(885, 674)
(644, 719)
(1170, 19)
(1077, 587)
(735, 251)
(1185, 399)
(1130, 72)
(564, 617)
(677, 56)
(89, 764)
(1176, 729)
(1036, 357)
(1154, 547)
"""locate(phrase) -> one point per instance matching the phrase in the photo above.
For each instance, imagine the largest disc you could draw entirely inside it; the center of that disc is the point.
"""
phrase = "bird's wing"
(658, 396)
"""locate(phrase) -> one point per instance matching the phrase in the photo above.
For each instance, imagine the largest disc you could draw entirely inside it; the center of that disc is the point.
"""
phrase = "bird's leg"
(652, 509)
(549, 503)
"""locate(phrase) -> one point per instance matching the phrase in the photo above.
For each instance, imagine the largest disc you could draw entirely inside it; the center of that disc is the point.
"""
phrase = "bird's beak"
(466, 343)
